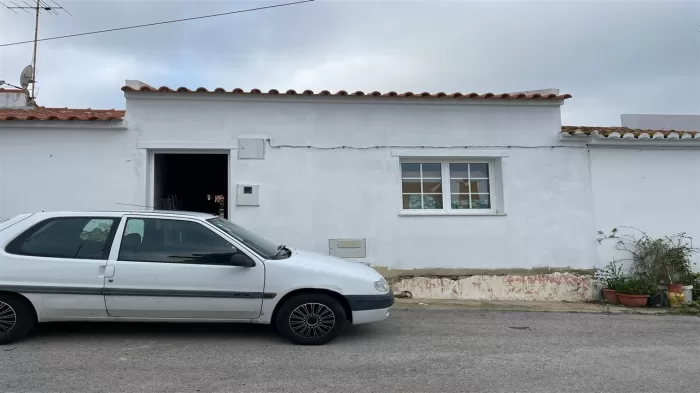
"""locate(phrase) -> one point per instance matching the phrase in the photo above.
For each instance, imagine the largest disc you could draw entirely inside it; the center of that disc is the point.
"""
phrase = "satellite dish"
(26, 77)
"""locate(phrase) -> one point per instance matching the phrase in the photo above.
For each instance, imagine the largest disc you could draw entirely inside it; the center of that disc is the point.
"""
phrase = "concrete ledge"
(521, 306)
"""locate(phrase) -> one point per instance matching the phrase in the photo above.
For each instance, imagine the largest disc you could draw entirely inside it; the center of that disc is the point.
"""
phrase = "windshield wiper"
(281, 249)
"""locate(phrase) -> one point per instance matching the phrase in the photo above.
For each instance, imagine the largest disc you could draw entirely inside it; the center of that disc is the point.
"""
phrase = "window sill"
(448, 213)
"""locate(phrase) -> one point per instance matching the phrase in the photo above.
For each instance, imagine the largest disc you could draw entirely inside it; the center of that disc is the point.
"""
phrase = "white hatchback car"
(175, 266)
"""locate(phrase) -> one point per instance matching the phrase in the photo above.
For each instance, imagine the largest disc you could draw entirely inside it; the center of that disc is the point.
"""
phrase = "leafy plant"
(611, 276)
(689, 309)
(636, 286)
(665, 260)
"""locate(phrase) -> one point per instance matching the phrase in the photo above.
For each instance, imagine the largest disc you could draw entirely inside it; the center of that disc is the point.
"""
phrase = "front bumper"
(367, 316)
(370, 302)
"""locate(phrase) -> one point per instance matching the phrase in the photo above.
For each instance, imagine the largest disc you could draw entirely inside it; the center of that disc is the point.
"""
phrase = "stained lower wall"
(542, 287)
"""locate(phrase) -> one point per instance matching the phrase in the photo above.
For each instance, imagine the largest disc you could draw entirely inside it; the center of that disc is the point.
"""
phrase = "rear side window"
(67, 237)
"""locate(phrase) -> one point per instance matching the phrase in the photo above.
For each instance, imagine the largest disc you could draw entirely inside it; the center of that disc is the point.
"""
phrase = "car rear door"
(172, 268)
(59, 262)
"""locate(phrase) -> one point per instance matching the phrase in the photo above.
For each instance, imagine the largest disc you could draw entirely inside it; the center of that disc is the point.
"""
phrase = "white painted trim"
(458, 153)
(223, 146)
(408, 213)
(349, 99)
(65, 124)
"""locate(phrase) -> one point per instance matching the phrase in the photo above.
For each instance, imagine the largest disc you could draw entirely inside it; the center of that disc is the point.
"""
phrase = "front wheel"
(311, 319)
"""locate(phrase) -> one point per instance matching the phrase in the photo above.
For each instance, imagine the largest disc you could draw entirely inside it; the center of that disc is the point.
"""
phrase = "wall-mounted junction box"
(251, 149)
(347, 248)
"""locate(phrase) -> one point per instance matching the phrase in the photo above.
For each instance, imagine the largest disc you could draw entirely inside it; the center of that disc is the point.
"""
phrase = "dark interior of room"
(191, 182)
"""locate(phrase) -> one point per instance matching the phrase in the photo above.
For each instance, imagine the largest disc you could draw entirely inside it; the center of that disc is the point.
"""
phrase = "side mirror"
(242, 260)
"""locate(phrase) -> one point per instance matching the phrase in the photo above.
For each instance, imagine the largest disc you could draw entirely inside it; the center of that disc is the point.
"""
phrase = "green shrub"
(636, 286)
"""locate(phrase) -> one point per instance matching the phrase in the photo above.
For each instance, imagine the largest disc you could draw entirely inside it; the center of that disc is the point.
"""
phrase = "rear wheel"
(311, 319)
(16, 318)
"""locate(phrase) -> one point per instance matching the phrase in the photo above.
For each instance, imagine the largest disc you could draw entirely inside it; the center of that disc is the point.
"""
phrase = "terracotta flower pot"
(675, 287)
(610, 295)
(633, 300)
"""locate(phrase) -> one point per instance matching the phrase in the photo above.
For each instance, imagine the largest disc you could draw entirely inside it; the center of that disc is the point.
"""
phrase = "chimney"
(540, 91)
(137, 84)
(14, 99)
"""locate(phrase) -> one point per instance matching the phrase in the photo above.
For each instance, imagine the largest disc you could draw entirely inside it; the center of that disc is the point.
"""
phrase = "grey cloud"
(613, 56)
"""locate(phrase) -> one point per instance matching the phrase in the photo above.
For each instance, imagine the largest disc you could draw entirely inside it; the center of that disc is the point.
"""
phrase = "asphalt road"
(413, 351)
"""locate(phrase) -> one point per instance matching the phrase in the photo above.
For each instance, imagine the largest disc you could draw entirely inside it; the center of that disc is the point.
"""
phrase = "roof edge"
(613, 133)
(327, 93)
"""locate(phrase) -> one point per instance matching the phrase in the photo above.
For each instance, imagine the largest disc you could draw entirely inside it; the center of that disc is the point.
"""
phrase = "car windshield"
(265, 248)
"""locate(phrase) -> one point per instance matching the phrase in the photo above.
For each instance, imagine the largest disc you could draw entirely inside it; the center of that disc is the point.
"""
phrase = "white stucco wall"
(556, 194)
(652, 189)
(68, 169)
(308, 196)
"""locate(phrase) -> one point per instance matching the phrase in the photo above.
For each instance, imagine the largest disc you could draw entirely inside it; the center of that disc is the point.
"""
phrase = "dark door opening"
(191, 182)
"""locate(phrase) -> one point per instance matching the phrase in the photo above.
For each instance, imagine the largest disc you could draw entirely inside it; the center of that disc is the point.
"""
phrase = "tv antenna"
(41, 6)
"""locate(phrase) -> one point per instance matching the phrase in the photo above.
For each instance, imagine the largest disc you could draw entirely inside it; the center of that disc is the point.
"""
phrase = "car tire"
(310, 319)
(16, 318)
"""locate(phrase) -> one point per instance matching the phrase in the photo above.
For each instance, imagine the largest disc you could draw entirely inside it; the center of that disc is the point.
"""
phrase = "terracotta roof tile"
(628, 133)
(42, 113)
(487, 96)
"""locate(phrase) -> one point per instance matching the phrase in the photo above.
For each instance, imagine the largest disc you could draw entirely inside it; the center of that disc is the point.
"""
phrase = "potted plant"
(610, 277)
(664, 261)
(634, 291)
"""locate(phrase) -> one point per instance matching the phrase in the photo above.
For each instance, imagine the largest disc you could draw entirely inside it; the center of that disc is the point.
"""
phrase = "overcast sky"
(613, 56)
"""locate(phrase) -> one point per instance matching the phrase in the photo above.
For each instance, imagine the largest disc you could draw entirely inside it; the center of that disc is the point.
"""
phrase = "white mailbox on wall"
(247, 195)
(347, 248)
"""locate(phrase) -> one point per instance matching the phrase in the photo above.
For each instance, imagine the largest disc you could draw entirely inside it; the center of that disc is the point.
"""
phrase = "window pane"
(432, 186)
(412, 202)
(480, 186)
(459, 186)
(479, 171)
(459, 171)
(174, 241)
(480, 201)
(432, 201)
(411, 186)
(69, 237)
(134, 226)
(460, 201)
(97, 230)
(410, 170)
(432, 171)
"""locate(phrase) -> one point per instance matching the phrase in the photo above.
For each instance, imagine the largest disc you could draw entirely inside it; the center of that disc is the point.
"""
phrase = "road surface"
(413, 351)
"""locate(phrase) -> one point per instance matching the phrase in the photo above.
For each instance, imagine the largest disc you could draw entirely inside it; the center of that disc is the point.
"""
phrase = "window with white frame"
(447, 185)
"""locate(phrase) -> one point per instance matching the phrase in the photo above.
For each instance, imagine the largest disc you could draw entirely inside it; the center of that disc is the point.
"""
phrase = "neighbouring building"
(453, 195)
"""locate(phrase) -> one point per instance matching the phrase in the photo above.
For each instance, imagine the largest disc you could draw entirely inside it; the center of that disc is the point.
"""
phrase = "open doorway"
(191, 182)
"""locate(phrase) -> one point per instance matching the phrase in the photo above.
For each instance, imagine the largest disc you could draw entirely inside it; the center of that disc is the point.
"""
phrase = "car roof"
(102, 213)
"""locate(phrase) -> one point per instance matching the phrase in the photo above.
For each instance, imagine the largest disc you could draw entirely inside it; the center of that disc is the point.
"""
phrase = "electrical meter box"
(347, 248)
(247, 195)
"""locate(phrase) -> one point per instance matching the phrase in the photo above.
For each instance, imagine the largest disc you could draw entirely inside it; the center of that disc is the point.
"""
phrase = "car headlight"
(381, 286)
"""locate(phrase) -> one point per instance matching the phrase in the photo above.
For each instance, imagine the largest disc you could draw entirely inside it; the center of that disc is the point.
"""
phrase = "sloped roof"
(61, 114)
(628, 133)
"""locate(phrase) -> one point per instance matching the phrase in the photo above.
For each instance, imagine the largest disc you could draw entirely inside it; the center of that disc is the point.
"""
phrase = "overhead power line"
(160, 23)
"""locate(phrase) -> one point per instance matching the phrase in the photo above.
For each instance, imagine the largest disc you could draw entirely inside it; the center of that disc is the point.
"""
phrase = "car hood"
(327, 263)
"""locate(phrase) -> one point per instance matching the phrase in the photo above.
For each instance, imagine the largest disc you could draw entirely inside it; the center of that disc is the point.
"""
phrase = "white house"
(453, 195)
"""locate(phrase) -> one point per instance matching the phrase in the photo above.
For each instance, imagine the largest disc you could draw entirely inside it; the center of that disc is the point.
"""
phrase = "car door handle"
(106, 271)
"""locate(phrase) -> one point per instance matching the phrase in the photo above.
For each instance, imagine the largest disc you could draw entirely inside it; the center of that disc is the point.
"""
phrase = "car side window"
(173, 241)
(67, 237)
